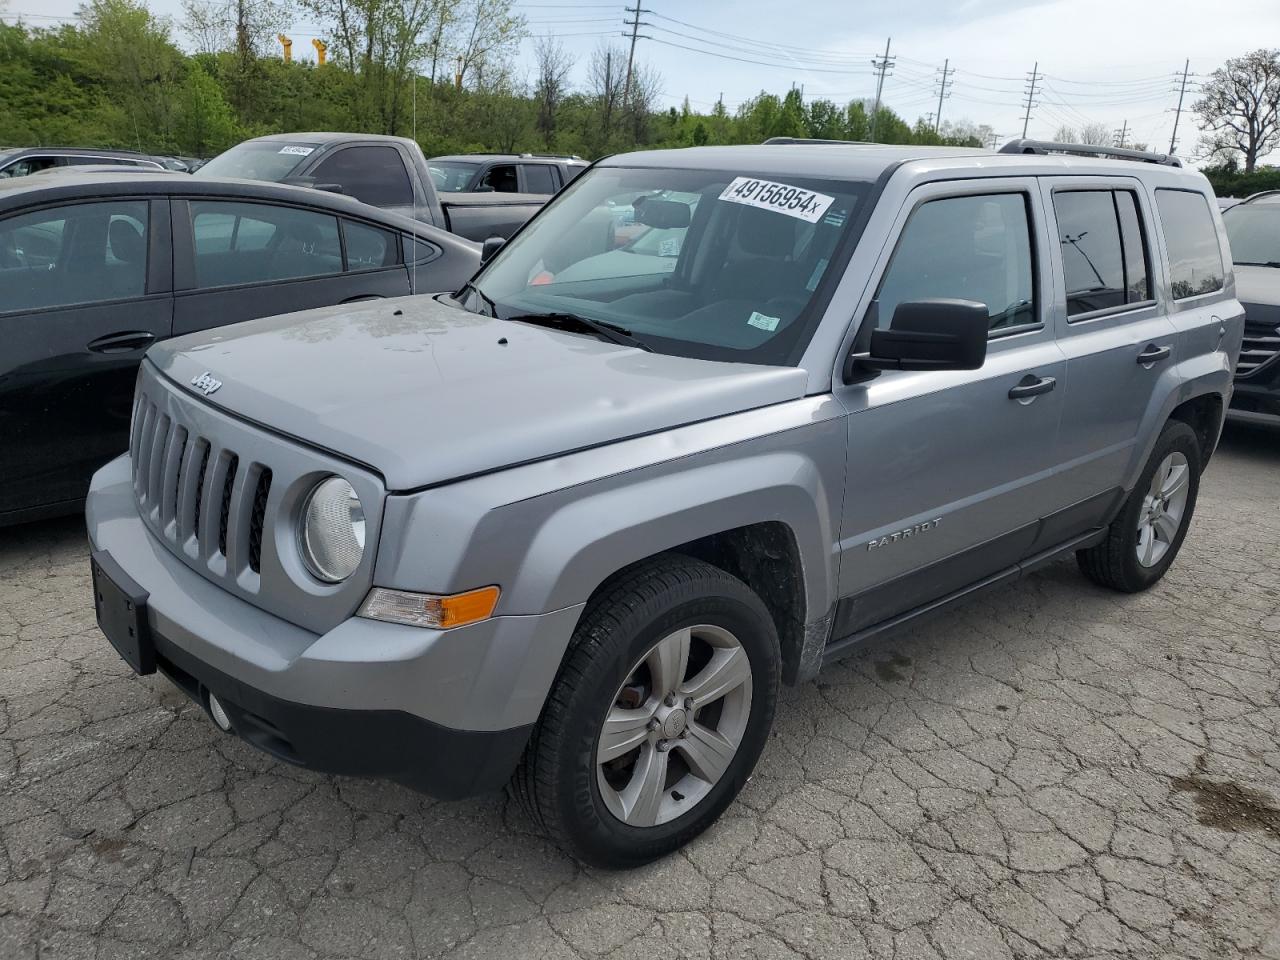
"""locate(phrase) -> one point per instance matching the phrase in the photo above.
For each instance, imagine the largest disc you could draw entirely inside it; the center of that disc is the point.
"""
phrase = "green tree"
(1239, 106)
(206, 125)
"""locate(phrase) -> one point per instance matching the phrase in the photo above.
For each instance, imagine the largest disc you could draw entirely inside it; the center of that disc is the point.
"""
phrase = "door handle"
(1032, 386)
(1152, 354)
(122, 342)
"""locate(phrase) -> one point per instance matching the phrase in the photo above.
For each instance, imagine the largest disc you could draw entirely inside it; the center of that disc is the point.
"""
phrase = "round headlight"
(332, 540)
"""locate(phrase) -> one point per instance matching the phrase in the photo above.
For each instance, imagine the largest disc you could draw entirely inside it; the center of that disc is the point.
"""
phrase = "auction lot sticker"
(298, 151)
(778, 197)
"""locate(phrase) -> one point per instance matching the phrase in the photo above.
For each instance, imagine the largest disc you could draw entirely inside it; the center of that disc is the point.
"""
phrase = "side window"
(369, 247)
(258, 243)
(420, 251)
(374, 175)
(538, 178)
(1195, 259)
(1092, 254)
(1137, 279)
(967, 248)
(501, 178)
(27, 166)
(77, 254)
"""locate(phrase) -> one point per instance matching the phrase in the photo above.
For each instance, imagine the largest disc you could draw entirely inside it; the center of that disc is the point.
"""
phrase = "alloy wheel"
(1163, 508)
(674, 726)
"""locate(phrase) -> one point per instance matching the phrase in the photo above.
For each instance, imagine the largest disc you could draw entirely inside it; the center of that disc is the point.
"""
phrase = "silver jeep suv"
(710, 420)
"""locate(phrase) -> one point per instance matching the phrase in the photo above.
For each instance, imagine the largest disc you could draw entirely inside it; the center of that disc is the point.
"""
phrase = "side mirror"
(328, 187)
(490, 247)
(929, 335)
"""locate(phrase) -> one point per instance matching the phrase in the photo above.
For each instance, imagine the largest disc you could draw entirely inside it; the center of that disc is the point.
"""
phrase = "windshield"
(258, 160)
(723, 265)
(1254, 232)
(451, 176)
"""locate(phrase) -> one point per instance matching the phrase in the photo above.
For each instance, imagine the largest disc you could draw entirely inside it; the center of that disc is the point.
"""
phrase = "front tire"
(658, 715)
(1147, 534)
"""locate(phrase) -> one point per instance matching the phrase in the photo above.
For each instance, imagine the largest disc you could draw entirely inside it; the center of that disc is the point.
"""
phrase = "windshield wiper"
(575, 321)
(1268, 263)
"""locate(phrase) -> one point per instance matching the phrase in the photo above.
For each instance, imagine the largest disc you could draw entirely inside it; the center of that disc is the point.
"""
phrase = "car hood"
(425, 392)
(1260, 285)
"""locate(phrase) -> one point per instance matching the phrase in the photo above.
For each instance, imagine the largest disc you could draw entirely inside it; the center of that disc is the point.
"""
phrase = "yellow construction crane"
(288, 47)
(321, 49)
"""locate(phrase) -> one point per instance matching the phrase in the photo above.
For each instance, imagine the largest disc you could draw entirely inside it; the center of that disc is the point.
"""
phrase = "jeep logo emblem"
(205, 383)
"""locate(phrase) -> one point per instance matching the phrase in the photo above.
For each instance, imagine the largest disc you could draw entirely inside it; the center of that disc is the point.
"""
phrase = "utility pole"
(944, 82)
(1122, 134)
(883, 65)
(635, 26)
(1177, 115)
(1033, 78)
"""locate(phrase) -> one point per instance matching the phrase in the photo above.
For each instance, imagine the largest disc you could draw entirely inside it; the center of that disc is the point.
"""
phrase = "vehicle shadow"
(1254, 442)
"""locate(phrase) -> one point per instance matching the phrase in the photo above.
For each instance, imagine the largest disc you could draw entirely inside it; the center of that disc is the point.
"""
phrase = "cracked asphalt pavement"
(1050, 771)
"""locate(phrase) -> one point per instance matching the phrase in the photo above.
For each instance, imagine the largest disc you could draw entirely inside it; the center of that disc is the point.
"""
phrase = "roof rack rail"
(553, 156)
(787, 140)
(1260, 194)
(1045, 147)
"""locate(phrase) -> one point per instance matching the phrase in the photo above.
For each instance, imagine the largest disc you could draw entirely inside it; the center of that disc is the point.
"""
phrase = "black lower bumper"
(388, 744)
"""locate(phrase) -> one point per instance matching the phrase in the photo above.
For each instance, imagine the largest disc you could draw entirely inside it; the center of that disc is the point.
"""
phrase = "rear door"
(238, 261)
(1117, 340)
(540, 178)
(948, 471)
(86, 289)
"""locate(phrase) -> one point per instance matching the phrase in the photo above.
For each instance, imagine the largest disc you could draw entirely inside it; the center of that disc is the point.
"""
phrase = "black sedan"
(93, 270)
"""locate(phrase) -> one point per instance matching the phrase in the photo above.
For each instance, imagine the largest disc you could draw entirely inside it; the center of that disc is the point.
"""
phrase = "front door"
(86, 291)
(949, 472)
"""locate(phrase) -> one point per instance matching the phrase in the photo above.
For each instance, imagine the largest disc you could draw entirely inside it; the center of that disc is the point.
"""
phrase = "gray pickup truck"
(387, 172)
(571, 528)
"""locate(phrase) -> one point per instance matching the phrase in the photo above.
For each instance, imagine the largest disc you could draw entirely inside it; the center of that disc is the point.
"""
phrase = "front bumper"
(447, 712)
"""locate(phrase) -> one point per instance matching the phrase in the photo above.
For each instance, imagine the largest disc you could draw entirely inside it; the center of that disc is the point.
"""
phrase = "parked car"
(572, 534)
(1253, 225)
(540, 173)
(388, 172)
(23, 161)
(95, 270)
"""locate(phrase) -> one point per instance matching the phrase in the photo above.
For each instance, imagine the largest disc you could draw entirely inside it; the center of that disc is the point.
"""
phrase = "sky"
(1116, 62)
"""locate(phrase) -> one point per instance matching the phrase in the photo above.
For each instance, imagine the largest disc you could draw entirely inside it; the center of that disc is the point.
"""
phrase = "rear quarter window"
(1195, 256)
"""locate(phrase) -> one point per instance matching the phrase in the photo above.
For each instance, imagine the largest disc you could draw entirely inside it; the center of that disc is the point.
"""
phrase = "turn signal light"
(429, 610)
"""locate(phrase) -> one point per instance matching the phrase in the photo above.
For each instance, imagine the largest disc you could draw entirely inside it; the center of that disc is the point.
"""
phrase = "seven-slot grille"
(197, 495)
(1260, 347)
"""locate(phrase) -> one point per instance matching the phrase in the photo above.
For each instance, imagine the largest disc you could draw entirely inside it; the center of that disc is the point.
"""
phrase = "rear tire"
(1147, 534)
(683, 661)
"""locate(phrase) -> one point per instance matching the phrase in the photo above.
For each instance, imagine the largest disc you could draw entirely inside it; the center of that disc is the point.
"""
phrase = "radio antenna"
(413, 247)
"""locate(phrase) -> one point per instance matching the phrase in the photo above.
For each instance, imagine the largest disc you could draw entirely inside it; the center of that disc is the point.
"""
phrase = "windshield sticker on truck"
(298, 151)
(778, 197)
(764, 322)
(670, 247)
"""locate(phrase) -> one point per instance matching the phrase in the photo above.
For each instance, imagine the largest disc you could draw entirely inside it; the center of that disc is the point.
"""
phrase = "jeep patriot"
(569, 528)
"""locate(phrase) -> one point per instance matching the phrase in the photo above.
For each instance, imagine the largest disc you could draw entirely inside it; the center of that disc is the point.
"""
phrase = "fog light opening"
(219, 714)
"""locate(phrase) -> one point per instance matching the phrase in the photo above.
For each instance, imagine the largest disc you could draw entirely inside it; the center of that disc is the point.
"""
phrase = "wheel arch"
(1197, 397)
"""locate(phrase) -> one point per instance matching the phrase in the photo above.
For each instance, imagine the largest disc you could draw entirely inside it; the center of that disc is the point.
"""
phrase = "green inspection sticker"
(763, 322)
